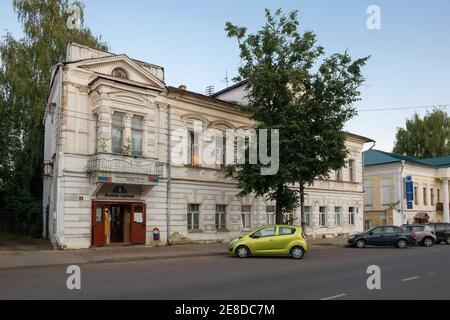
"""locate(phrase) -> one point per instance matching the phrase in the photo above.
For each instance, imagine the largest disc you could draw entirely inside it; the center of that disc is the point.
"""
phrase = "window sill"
(195, 231)
(222, 230)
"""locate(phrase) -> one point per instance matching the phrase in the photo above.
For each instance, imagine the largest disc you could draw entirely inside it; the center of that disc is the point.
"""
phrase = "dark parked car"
(383, 236)
(442, 231)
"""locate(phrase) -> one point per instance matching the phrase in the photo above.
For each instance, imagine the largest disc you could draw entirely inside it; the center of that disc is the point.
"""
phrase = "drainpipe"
(371, 147)
(400, 181)
(169, 163)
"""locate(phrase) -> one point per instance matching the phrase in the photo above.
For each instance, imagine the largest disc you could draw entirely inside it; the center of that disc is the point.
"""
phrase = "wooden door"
(138, 223)
(98, 224)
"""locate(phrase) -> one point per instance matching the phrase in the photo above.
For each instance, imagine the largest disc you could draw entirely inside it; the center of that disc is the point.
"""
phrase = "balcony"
(109, 168)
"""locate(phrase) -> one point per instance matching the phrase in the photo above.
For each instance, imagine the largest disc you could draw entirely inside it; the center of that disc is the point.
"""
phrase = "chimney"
(182, 87)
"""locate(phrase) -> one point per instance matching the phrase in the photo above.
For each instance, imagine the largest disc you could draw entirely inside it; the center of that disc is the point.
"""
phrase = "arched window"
(120, 73)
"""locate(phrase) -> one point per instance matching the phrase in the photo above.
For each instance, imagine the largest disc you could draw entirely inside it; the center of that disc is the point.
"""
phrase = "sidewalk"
(14, 259)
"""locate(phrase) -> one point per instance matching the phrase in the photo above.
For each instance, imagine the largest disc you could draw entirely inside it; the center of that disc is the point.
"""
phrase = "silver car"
(425, 235)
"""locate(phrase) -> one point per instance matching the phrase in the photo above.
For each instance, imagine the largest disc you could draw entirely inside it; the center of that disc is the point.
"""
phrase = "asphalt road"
(324, 273)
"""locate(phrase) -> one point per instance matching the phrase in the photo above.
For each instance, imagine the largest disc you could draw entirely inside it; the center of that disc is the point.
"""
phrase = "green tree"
(425, 138)
(292, 87)
(24, 79)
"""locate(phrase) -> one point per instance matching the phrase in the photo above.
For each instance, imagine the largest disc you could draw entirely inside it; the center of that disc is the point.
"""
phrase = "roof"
(439, 161)
(200, 96)
(236, 85)
(354, 135)
(374, 157)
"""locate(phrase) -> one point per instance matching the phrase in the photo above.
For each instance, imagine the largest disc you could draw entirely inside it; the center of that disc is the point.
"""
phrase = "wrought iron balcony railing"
(143, 167)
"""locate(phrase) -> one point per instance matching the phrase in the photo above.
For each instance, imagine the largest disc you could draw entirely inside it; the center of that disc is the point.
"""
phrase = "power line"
(404, 108)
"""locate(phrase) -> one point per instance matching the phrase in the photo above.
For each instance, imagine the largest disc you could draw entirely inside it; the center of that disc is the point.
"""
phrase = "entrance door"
(117, 223)
(98, 224)
(138, 223)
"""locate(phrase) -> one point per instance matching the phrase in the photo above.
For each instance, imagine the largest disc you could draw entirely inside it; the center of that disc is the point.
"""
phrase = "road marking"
(411, 278)
(334, 297)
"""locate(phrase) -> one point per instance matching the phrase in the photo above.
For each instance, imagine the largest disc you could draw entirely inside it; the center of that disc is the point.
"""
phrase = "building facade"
(389, 200)
(112, 174)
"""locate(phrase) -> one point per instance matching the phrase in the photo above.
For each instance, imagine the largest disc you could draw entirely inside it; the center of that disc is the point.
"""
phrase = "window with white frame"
(193, 216)
(337, 216)
(245, 216)
(289, 217)
(416, 195)
(322, 216)
(307, 216)
(117, 132)
(137, 129)
(339, 175)
(220, 217)
(368, 192)
(432, 196)
(193, 151)
(270, 214)
(386, 190)
(351, 215)
(351, 170)
(425, 197)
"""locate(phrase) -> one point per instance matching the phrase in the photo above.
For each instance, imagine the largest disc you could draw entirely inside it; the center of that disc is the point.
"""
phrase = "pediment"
(136, 74)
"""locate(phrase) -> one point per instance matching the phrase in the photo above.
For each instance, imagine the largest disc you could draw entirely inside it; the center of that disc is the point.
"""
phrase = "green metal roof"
(439, 161)
(373, 157)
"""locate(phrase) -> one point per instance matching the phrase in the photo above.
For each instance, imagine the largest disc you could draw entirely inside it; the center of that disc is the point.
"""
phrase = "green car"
(270, 240)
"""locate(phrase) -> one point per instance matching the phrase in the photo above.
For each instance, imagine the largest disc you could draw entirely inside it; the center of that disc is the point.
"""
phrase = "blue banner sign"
(409, 192)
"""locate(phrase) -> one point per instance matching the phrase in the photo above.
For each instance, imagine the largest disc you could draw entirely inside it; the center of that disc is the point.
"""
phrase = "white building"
(111, 176)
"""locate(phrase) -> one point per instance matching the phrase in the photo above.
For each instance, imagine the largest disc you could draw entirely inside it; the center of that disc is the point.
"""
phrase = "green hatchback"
(270, 240)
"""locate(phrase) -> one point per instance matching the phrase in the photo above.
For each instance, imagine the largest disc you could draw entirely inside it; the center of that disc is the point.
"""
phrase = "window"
(193, 216)
(307, 216)
(438, 195)
(425, 200)
(193, 138)
(416, 196)
(220, 217)
(432, 196)
(120, 73)
(322, 216)
(270, 214)
(117, 132)
(337, 216)
(368, 192)
(286, 231)
(367, 224)
(266, 232)
(339, 175)
(137, 128)
(245, 215)
(351, 215)
(289, 218)
(386, 185)
(351, 169)
(220, 147)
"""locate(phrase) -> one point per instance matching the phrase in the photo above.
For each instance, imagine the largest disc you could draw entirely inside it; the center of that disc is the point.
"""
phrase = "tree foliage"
(293, 87)
(425, 138)
(24, 80)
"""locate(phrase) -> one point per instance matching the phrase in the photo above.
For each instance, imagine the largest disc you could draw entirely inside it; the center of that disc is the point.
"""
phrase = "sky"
(409, 65)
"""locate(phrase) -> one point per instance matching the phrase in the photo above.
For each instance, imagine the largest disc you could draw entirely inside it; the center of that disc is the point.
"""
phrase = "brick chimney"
(182, 87)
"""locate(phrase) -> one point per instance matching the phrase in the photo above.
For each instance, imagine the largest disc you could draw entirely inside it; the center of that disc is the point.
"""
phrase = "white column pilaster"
(445, 192)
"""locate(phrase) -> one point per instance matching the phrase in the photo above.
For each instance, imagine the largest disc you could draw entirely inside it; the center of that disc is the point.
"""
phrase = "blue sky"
(410, 55)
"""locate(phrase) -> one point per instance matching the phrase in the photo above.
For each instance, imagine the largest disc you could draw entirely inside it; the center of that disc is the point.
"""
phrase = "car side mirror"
(371, 233)
(255, 236)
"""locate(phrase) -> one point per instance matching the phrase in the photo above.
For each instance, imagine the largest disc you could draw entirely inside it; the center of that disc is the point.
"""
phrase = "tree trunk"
(302, 206)
(279, 206)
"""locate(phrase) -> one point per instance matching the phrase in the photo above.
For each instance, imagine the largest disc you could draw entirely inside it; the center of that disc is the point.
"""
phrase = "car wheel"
(242, 252)
(402, 244)
(428, 242)
(297, 252)
(447, 241)
(360, 243)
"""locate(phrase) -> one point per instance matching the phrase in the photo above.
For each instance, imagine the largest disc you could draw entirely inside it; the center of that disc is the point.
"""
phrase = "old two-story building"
(112, 176)
(400, 189)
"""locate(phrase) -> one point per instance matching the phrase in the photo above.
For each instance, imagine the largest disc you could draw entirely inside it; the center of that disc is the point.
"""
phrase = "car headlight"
(351, 237)
(233, 241)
